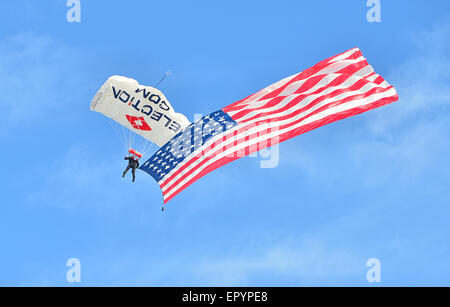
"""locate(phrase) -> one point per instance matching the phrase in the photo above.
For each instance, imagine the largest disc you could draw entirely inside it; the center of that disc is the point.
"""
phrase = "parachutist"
(133, 163)
(162, 209)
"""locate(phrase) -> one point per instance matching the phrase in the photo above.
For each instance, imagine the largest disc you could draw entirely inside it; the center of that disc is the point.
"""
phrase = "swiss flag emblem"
(138, 123)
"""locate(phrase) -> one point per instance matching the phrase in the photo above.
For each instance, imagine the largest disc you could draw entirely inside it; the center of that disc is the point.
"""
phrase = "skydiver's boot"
(134, 178)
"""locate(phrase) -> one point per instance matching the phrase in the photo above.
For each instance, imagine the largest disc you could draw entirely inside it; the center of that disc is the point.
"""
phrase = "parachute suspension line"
(133, 138)
(168, 73)
(128, 132)
(146, 147)
(118, 130)
(129, 137)
(118, 133)
(126, 136)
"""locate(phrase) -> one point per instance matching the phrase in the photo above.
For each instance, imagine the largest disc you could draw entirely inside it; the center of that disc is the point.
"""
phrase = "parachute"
(143, 110)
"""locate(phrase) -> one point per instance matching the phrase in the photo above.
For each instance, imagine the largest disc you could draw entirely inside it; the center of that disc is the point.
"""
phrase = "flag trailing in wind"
(336, 88)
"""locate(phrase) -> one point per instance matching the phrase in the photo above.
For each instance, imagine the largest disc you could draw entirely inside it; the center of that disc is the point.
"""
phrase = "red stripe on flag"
(327, 120)
(302, 75)
(258, 134)
(244, 128)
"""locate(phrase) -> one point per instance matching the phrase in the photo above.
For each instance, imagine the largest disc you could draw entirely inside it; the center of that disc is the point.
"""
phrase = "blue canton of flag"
(185, 143)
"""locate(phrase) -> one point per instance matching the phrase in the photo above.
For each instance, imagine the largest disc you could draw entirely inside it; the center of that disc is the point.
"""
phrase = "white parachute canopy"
(142, 109)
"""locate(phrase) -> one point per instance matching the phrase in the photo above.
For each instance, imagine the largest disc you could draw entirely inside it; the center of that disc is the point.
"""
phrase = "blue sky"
(371, 186)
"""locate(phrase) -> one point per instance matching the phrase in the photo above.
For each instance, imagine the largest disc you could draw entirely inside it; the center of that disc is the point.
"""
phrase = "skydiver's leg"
(126, 170)
(133, 171)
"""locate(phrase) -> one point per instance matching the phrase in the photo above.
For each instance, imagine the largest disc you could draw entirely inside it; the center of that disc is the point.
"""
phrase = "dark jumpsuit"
(133, 164)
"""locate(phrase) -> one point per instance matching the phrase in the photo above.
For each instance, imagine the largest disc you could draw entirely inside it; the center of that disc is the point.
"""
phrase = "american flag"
(336, 88)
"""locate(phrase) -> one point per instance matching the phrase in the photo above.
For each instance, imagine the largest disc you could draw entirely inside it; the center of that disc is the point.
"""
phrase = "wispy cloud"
(422, 82)
(408, 137)
(79, 181)
(397, 149)
(411, 136)
(303, 261)
(35, 75)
